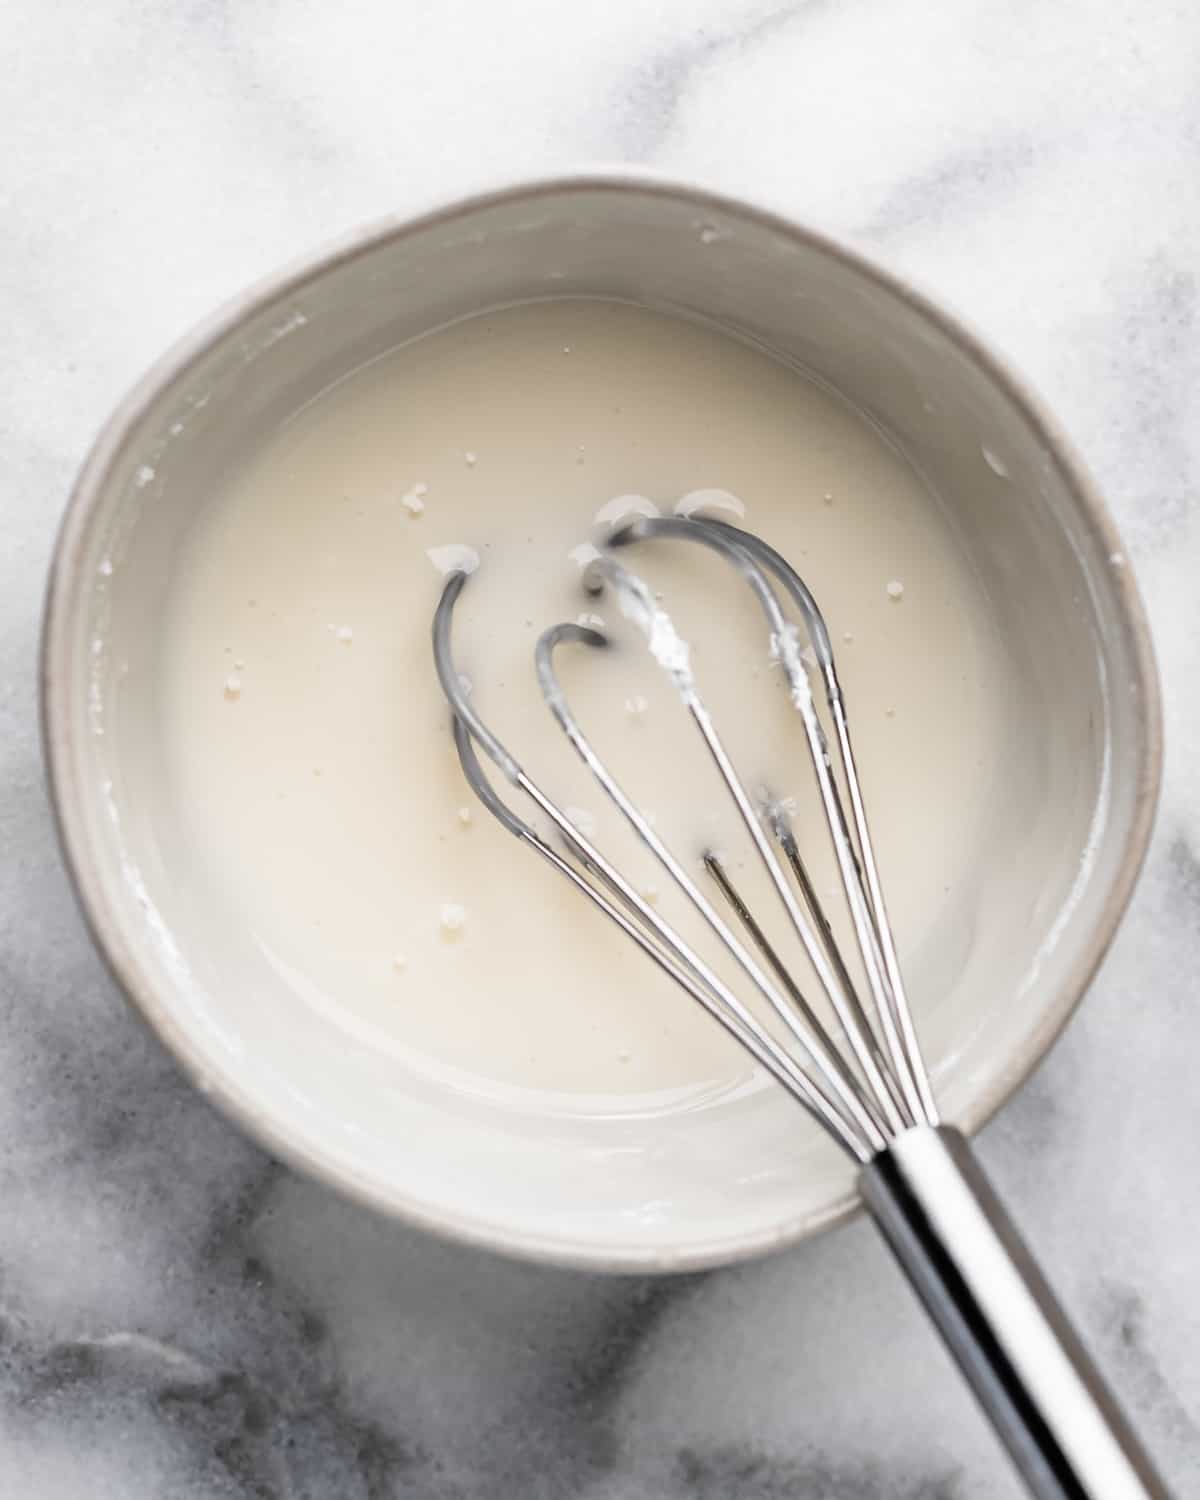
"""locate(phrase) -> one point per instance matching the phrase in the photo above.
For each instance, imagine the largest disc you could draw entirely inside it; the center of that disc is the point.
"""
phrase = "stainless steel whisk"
(866, 1082)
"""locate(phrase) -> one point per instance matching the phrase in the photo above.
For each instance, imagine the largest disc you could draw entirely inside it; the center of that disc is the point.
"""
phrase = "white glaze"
(326, 799)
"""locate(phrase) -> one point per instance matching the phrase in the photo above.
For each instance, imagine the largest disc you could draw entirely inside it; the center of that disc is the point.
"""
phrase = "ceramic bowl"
(1055, 875)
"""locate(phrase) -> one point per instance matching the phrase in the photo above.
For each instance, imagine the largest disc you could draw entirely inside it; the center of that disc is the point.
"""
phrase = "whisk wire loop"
(865, 1090)
(854, 1130)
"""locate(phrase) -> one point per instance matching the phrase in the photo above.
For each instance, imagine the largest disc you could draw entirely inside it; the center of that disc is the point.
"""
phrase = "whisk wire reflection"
(751, 556)
(908, 1051)
(639, 604)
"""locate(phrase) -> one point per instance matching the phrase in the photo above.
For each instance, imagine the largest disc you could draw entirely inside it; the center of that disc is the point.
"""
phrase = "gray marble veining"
(181, 1317)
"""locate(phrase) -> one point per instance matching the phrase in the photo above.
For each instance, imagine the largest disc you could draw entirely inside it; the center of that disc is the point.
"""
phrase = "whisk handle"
(1000, 1321)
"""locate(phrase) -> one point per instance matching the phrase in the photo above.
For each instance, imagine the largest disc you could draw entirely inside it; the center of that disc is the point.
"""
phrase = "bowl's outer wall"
(1037, 530)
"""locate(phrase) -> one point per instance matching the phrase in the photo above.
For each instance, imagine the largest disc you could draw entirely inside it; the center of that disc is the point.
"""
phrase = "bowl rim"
(69, 795)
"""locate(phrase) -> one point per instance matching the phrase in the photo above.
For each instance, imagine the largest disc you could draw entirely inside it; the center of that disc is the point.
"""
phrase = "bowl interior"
(1009, 962)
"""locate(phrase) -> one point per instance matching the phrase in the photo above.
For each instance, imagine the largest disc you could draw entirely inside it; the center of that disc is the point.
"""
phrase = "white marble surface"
(179, 1316)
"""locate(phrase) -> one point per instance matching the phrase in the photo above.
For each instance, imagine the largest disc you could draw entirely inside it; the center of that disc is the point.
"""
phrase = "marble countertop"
(180, 1316)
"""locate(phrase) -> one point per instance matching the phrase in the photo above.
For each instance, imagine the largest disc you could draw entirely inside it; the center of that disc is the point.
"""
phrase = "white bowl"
(617, 1194)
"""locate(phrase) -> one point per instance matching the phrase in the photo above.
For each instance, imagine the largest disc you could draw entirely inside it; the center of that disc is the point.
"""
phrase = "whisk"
(862, 1079)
